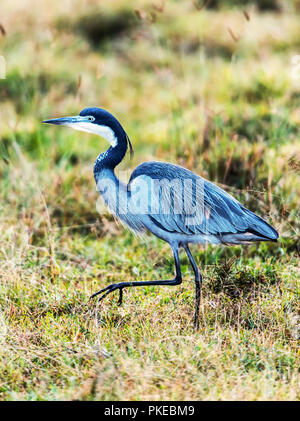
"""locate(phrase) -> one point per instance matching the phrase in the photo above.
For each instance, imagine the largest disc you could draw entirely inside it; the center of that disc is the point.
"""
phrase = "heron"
(172, 202)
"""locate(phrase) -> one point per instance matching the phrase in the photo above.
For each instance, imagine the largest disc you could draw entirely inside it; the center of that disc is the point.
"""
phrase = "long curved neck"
(112, 157)
(112, 190)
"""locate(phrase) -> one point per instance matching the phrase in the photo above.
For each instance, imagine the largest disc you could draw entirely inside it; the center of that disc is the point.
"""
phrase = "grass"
(222, 103)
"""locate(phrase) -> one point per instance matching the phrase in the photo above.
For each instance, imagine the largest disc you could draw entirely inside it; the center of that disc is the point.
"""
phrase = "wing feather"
(206, 208)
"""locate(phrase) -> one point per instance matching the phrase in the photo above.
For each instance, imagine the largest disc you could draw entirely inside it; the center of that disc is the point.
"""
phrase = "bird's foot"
(108, 290)
(120, 297)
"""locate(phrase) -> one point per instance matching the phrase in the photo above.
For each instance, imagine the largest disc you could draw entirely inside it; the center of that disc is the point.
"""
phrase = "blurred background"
(211, 85)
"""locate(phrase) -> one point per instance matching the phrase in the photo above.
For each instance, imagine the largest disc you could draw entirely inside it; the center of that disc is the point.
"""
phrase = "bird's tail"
(260, 231)
(260, 227)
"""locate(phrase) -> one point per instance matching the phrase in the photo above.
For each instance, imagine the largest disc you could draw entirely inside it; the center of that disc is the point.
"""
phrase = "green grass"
(186, 92)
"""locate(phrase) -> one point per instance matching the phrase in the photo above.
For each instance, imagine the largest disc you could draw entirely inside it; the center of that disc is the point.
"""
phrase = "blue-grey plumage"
(224, 220)
(171, 202)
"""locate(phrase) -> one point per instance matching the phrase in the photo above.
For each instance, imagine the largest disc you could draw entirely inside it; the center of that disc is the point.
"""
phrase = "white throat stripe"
(103, 131)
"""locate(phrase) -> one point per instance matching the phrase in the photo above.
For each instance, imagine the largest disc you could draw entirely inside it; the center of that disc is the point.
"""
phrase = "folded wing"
(179, 201)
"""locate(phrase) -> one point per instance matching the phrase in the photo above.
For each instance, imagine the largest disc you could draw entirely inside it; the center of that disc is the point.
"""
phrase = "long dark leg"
(176, 281)
(198, 284)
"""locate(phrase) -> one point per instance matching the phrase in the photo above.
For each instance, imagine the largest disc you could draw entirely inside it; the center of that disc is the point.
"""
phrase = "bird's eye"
(91, 118)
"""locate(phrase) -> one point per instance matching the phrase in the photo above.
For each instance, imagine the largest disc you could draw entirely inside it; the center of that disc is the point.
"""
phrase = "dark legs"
(176, 281)
(198, 284)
